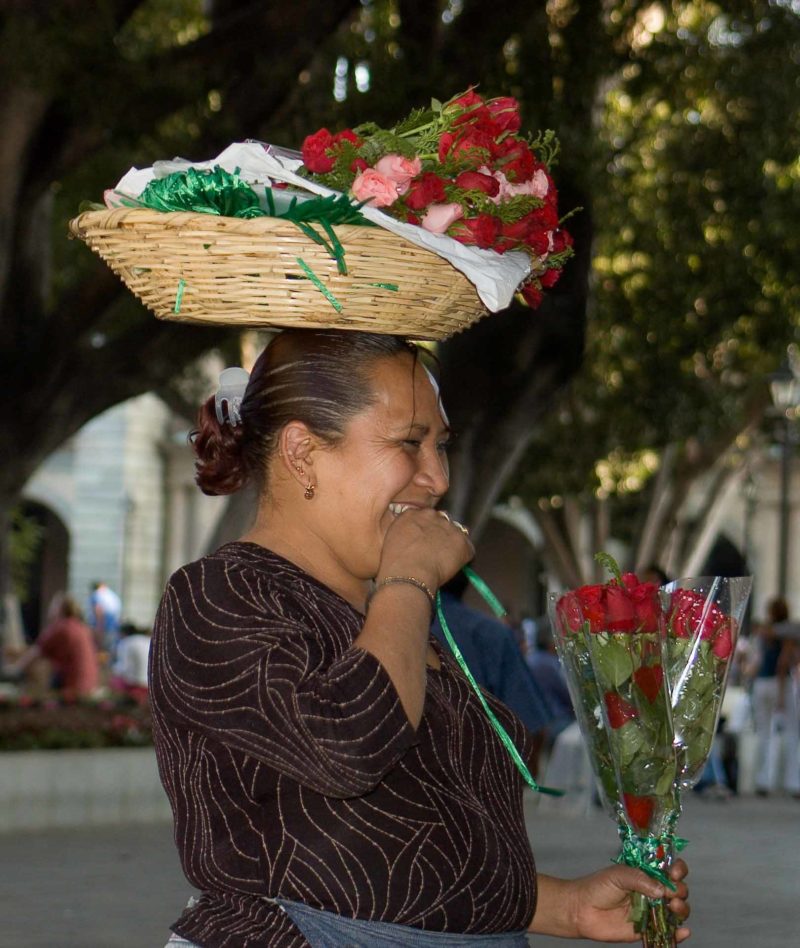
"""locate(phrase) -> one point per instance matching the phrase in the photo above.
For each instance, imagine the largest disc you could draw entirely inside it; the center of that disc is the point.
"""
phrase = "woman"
(775, 712)
(324, 759)
(67, 644)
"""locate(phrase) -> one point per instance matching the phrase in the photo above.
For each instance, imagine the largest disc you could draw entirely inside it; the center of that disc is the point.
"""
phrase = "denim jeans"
(328, 930)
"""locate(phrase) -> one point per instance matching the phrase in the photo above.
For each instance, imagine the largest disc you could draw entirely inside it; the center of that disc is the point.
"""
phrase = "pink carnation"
(439, 217)
(399, 169)
(537, 186)
(375, 188)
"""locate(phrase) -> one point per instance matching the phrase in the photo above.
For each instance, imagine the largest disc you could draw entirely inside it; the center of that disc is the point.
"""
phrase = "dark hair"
(318, 377)
(778, 610)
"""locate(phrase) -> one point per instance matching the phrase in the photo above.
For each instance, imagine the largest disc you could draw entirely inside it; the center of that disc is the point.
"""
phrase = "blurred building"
(118, 503)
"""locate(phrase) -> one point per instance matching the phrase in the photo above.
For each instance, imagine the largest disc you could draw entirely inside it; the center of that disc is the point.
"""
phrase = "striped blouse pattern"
(292, 770)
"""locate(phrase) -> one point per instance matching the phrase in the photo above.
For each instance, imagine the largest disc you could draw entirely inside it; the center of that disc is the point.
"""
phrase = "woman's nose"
(433, 472)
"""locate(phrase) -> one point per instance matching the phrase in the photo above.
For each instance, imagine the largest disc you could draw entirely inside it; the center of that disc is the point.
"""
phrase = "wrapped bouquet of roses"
(460, 168)
(646, 669)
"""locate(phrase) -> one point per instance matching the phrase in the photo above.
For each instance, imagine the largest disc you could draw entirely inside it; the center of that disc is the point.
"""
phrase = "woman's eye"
(412, 443)
(442, 447)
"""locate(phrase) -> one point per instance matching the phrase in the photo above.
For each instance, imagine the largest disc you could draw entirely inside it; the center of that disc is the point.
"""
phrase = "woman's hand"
(427, 544)
(597, 906)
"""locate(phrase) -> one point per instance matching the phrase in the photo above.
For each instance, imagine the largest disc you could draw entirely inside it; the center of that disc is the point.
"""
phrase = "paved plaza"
(120, 887)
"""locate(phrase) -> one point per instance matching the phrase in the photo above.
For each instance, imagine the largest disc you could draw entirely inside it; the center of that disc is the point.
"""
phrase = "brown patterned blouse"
(293, 771)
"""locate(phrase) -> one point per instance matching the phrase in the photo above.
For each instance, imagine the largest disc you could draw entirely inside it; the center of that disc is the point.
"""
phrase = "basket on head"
(266, 272)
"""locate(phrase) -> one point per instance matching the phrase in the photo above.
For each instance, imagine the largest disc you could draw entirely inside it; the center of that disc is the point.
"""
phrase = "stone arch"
(50, 569)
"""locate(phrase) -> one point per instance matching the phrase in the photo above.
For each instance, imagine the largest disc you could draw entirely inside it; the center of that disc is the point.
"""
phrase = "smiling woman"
(333, 777)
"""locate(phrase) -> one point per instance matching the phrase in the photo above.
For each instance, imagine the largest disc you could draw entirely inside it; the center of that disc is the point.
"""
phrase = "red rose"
(539, 243)
(446, 140)
(476, 181)
(620, 614)
(347, 135)
(358, 164)
(532, 229)
(561, 240)
(680, 615)
(518, 230)
(315, 151)
(466, 101)
(425, 189)
(691, 615)
(618, 709)
(644, 597)
(723, 643)
(478, 117)
(592, 601)
(639, 810)
(505, 112)
(481, 231)
(515, 159)
(649, 678)
(545, 218)
(550, 277)
(532, 295)
(474, 145)
(570, 612)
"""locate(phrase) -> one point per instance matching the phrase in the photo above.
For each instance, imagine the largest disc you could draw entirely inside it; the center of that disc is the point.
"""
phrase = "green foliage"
(696, 283)
(25, 543)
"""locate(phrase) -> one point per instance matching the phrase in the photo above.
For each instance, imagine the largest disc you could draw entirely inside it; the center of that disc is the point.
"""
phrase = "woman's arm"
(428, 547)
(596, 907)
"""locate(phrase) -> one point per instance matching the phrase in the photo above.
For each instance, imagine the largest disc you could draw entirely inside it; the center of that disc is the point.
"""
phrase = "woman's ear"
(297, 445)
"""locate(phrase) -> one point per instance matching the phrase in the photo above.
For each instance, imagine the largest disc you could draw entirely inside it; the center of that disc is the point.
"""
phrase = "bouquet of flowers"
(459, 168)
(646, 671)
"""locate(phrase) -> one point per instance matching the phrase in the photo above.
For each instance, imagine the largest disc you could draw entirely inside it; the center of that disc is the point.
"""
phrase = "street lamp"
(784, 388)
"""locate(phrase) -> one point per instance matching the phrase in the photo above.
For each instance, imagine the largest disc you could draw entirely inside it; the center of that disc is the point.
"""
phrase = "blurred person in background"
(490, 649)
(129, 671)
(105, 613)
(775, 712)
(549, 676)
(68, 646)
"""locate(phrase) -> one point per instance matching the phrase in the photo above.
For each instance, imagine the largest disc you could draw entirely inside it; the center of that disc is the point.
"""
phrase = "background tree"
(93, 86)
(695, 293)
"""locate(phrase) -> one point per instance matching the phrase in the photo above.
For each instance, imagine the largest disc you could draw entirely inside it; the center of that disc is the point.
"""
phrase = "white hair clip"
(232, 385)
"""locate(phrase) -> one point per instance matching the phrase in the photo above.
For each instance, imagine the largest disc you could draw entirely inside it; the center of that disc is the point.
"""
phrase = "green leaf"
(666, 780)
(610, 564)
(612, 658)
(629, 741)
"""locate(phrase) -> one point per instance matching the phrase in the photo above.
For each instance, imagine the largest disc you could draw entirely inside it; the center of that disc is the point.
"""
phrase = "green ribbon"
(488, 596)
(214, 191)
(225, 194)
(319, 284)
(648, 853)
(494, 604)
(179, 296)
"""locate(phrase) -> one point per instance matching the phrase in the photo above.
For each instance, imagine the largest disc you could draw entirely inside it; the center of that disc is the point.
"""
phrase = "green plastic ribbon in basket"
(225, 194)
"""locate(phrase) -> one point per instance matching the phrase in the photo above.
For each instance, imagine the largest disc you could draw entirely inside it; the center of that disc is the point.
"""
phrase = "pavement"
(120, 887)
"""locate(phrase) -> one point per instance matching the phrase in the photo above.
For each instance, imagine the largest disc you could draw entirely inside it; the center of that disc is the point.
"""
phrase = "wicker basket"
(208, 269)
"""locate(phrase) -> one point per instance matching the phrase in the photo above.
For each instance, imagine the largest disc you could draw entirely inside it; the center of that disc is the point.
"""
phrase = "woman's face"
(393, 455)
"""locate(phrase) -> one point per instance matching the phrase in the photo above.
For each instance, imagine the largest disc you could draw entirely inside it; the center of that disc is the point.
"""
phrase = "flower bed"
(48, 724)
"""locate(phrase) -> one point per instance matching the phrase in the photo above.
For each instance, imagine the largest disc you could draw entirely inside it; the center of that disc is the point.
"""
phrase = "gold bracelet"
(411, 581)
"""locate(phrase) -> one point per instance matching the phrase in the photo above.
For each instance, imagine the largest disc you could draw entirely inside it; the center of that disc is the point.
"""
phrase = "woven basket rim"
(156, 253)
